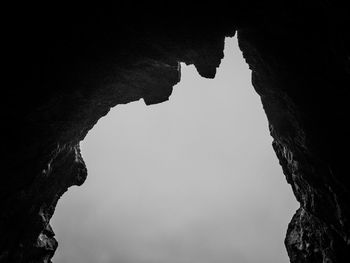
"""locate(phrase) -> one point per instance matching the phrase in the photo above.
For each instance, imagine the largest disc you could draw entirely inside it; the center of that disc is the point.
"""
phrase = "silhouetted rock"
(70, 65)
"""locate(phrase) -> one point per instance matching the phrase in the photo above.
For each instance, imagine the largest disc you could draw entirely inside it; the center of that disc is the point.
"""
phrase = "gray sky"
(191, 180)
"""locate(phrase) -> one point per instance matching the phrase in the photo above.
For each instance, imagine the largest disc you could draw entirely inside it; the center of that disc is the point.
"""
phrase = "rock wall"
(302, 76)
(70, 64)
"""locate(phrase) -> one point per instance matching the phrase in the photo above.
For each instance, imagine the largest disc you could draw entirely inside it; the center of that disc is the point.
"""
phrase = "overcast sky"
(191, 180)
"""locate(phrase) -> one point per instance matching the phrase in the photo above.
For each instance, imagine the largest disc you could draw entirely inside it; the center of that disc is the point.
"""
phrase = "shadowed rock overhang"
(68, 65)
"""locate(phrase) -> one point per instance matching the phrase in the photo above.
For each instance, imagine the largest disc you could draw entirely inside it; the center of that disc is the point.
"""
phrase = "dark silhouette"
(69, 64)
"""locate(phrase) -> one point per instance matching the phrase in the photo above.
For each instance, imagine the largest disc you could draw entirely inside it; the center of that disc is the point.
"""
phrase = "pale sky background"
(191, 180)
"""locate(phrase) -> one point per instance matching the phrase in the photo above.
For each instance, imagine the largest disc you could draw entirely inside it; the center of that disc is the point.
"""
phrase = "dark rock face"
(302, 78)
(71, 65)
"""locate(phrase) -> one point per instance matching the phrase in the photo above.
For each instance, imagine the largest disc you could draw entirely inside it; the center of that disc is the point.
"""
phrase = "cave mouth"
(191, 180)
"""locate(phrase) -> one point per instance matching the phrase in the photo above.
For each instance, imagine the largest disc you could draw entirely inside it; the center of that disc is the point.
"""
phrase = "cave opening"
(194, 179)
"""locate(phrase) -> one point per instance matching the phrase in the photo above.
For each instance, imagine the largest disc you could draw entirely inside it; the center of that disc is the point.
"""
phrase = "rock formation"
(68, 65)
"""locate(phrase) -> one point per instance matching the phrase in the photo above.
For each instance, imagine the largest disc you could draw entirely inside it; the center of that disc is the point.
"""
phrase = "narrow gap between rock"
(194, 179)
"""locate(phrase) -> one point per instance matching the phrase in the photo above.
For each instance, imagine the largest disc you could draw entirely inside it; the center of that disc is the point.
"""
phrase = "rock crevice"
(69, 72)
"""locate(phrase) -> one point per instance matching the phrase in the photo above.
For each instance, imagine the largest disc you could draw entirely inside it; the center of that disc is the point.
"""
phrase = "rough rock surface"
(70, 65)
